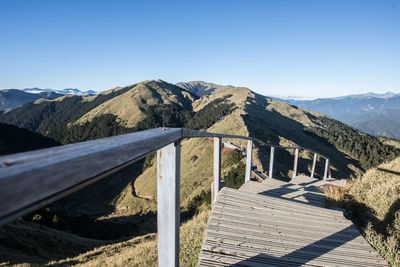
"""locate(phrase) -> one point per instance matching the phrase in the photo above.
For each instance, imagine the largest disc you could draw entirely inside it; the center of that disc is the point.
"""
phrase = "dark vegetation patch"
(235, 177)
(204, 198)
(210, 114)
(368, 149)
(14, 139)
(51, 118)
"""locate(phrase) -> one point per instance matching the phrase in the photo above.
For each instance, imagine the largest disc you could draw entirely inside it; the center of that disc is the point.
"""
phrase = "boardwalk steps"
(275, 223)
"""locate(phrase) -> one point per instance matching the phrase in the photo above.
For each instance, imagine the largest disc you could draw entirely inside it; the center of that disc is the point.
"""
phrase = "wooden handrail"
(34, 179)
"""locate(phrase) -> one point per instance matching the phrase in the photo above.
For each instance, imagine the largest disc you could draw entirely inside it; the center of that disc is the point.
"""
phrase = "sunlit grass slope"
(377, 207)
(142, 251)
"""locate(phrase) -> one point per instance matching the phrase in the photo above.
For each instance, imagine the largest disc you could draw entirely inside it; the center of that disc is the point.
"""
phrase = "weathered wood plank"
(217, 167)
(31, 180)
(249, 156)
(326, 169)
(168, 214)
(271, 162)
(313, 165)
(246, 228)
(218, 228)
(296, 159)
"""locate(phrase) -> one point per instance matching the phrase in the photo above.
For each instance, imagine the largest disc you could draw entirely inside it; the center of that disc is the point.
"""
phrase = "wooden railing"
(35, 179)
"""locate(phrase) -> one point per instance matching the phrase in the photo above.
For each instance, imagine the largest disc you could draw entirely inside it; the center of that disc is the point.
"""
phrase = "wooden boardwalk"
(276, 223)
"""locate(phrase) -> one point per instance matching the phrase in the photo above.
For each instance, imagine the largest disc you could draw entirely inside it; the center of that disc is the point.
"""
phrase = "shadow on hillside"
(363, 215)
(268, 126)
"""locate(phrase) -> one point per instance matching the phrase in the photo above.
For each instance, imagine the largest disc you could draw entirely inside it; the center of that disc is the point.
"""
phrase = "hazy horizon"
(308, 49)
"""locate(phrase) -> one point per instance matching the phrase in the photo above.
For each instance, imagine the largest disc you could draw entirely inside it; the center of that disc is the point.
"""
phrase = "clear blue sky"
(310, 48)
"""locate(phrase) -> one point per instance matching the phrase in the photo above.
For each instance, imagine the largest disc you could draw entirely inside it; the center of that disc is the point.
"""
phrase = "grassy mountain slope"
(376, 204)
(130, 107)
(123, 205)
(142, 251)
(23, 241)
(373, 203)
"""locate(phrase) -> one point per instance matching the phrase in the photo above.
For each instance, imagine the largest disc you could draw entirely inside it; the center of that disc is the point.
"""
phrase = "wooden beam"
(326, 168)
(271, 162)
(168, 214)
(217, 167)
(249, 155)
(313, 165)
(296, 159)
(34, 179)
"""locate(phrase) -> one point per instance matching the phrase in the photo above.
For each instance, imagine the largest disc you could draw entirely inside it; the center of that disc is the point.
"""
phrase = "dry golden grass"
(336, 196)
(128, 106)
(373, 201)
(377, 204)
(142, 251)
(196, 164)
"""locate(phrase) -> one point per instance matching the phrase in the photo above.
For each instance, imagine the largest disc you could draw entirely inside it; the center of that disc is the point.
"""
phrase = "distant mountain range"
(12, 98)
(376, 114)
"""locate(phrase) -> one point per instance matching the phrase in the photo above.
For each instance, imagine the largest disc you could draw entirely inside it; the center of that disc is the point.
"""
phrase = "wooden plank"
(246, 228)
(313, 165)
(276, 218)
(271, 162)
(288, 194)
(326, 169)
(273, 210)
(278, 201)
(217, 228)
(34, 179)
(168, 214)
(299, 255)
(328, 253)
(296, 159)
(217, 167)
(249, 156)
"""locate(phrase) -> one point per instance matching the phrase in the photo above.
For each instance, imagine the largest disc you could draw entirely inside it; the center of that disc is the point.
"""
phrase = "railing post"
(271, 161)
(249, 155)
(168, 213)
(326, 168)
(314, 163)
(296, 158)
(217, 168)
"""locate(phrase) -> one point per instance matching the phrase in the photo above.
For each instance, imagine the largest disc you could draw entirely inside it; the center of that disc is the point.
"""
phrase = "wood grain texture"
(296, 160)
(247, 228)
(249, 157)
(271, 162)
(33, 179)
(217, 167)
(168, 214)
(314, 165)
